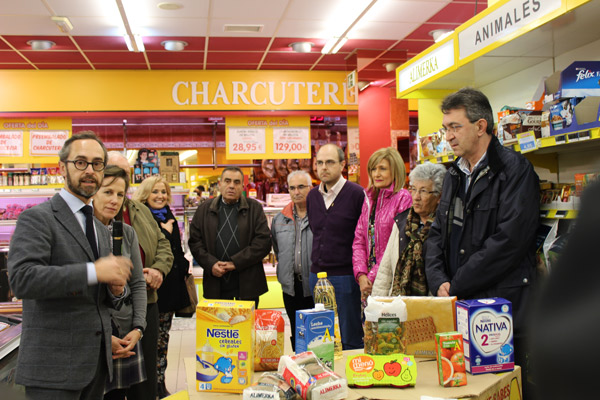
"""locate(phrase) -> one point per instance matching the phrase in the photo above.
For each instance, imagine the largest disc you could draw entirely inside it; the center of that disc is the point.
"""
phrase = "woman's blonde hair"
(143, 191)
(397, 167)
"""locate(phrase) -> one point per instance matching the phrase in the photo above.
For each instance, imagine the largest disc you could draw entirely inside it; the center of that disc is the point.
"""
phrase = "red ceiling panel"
(238, 44)
(227, 57)
(63, 66)
(4, 46)
(414, 46)
(54, 56)
(422, 32)
(106, 43)
(366, 44)
(338, 58)
(320, 67)
(10, 57)
(232, 66)
(16, 66)
(177, 66)
(294, 58)
(286, 67)
(121, 66)
(20, 42)
(175, 56)
(115, 57)
(458, 12)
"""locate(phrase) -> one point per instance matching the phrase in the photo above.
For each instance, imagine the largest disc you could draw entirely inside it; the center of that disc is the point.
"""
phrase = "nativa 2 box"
(487, 329)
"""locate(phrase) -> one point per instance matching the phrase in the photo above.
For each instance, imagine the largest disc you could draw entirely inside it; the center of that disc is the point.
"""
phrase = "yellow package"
(224, 345)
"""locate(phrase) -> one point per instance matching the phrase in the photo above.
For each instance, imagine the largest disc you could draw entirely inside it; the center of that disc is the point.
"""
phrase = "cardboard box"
(487, 329)
(426, 317)
(169, 166)
(580, 79)
(224, 345)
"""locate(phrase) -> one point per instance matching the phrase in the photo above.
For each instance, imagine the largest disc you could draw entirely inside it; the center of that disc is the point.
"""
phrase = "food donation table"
(499, 386)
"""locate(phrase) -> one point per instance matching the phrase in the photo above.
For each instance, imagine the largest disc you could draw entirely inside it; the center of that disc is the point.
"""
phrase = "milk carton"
(224, 345)
(487, 329)
(315, 332)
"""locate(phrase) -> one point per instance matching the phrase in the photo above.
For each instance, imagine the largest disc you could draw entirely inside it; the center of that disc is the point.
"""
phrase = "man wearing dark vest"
(229, 237)
(333, 210)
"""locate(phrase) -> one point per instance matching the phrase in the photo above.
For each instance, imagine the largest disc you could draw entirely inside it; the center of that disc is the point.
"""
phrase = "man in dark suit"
(60, 264)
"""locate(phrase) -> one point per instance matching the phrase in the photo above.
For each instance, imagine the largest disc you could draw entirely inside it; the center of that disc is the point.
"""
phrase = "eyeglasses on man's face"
(83, 164)
(454, 128)
(299, 187)
(328, 163)
(421, 192)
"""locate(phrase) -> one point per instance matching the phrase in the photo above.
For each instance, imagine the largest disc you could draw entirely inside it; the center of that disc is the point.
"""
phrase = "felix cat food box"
(487, 329)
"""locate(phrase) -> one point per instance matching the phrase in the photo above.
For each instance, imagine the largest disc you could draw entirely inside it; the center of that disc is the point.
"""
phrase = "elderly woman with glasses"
(402, 268)
(385, 198)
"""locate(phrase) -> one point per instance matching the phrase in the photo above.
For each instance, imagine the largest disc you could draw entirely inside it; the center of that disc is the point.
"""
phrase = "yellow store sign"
(24, 140)
(29, 91)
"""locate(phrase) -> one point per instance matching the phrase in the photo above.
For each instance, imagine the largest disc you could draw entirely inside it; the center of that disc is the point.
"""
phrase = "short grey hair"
(300, 172)
(429, 172)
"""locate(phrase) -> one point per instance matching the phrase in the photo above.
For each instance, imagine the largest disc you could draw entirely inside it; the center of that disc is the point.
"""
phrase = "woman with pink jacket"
(385, 198)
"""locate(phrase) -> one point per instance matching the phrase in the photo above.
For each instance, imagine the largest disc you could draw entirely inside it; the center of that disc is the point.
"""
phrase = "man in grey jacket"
(292, 243)
(60, 264)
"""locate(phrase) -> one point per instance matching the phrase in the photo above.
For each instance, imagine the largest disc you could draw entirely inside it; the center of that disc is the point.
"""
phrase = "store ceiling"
(392, 31)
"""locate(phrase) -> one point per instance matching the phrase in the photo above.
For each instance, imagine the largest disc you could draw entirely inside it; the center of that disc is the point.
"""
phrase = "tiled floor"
(182, 344)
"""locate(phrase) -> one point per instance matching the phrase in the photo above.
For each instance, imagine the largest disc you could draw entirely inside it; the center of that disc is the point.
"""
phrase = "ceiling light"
(174, 45)
(362, 85)
(169, 6)
(63, 23)
(389, 67)
(301, 47)
(41, 44)
(337, 42)
(440, 34)
(137, 46)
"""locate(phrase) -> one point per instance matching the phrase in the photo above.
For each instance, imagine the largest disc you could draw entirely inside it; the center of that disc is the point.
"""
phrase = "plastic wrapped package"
(270, 386)
(384, 327)
(311, 379)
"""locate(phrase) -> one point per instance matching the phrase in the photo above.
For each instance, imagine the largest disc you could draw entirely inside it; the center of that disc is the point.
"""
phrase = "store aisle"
(182, 344)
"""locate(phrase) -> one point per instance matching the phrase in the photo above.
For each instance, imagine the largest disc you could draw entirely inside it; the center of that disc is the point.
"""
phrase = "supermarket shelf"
(30, 191)
(437, 160)
(568, 142)
(568, 31)
(558, 214)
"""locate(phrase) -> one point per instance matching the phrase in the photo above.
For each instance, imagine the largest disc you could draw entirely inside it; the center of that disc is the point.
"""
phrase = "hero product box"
(224, 345)
(580, 79)
(315, 332)
(487, 329)
(450, 359)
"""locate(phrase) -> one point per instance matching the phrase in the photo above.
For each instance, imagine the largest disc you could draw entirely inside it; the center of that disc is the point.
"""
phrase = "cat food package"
(268, 339)
(311, 379)
(395, 370)
(384, 326)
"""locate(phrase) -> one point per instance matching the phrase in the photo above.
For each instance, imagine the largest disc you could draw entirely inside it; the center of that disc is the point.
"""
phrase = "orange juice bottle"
(324, 293)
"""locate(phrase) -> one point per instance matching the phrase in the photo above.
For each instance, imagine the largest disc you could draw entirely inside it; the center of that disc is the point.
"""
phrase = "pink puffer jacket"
(388, 205)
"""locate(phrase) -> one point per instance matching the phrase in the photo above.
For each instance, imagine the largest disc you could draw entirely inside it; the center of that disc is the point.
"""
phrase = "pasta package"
(311, 379)
(268, 339)
(384, 327)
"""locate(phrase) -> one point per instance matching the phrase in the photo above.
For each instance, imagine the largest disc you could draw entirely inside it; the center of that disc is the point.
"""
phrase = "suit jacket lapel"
(65, 217)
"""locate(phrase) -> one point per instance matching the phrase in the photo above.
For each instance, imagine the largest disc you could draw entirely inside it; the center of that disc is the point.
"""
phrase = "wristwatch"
(140, 330)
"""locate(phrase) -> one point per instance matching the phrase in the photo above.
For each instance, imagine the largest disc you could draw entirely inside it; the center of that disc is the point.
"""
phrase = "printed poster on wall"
(46, 143)
(246, 141)
(11, 143)
(291, 141)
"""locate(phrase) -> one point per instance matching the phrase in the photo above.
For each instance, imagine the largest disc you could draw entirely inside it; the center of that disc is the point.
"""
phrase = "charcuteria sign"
(25, 91)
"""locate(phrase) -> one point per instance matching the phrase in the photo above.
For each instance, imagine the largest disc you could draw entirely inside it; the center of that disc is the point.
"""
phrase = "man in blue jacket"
(482, 242)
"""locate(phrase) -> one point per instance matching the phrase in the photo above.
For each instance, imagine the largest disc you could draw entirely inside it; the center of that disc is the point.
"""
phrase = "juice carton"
(487, 329)
(224, 345)
(315, 332)
(450, 359)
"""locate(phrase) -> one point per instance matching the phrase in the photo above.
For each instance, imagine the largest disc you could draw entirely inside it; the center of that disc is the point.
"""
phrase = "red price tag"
(246, 140)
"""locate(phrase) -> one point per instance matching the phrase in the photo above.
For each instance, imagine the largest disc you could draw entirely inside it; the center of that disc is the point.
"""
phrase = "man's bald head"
(118, 159)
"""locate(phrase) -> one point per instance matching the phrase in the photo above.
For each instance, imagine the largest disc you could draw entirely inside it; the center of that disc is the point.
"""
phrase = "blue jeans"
(347, 297)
